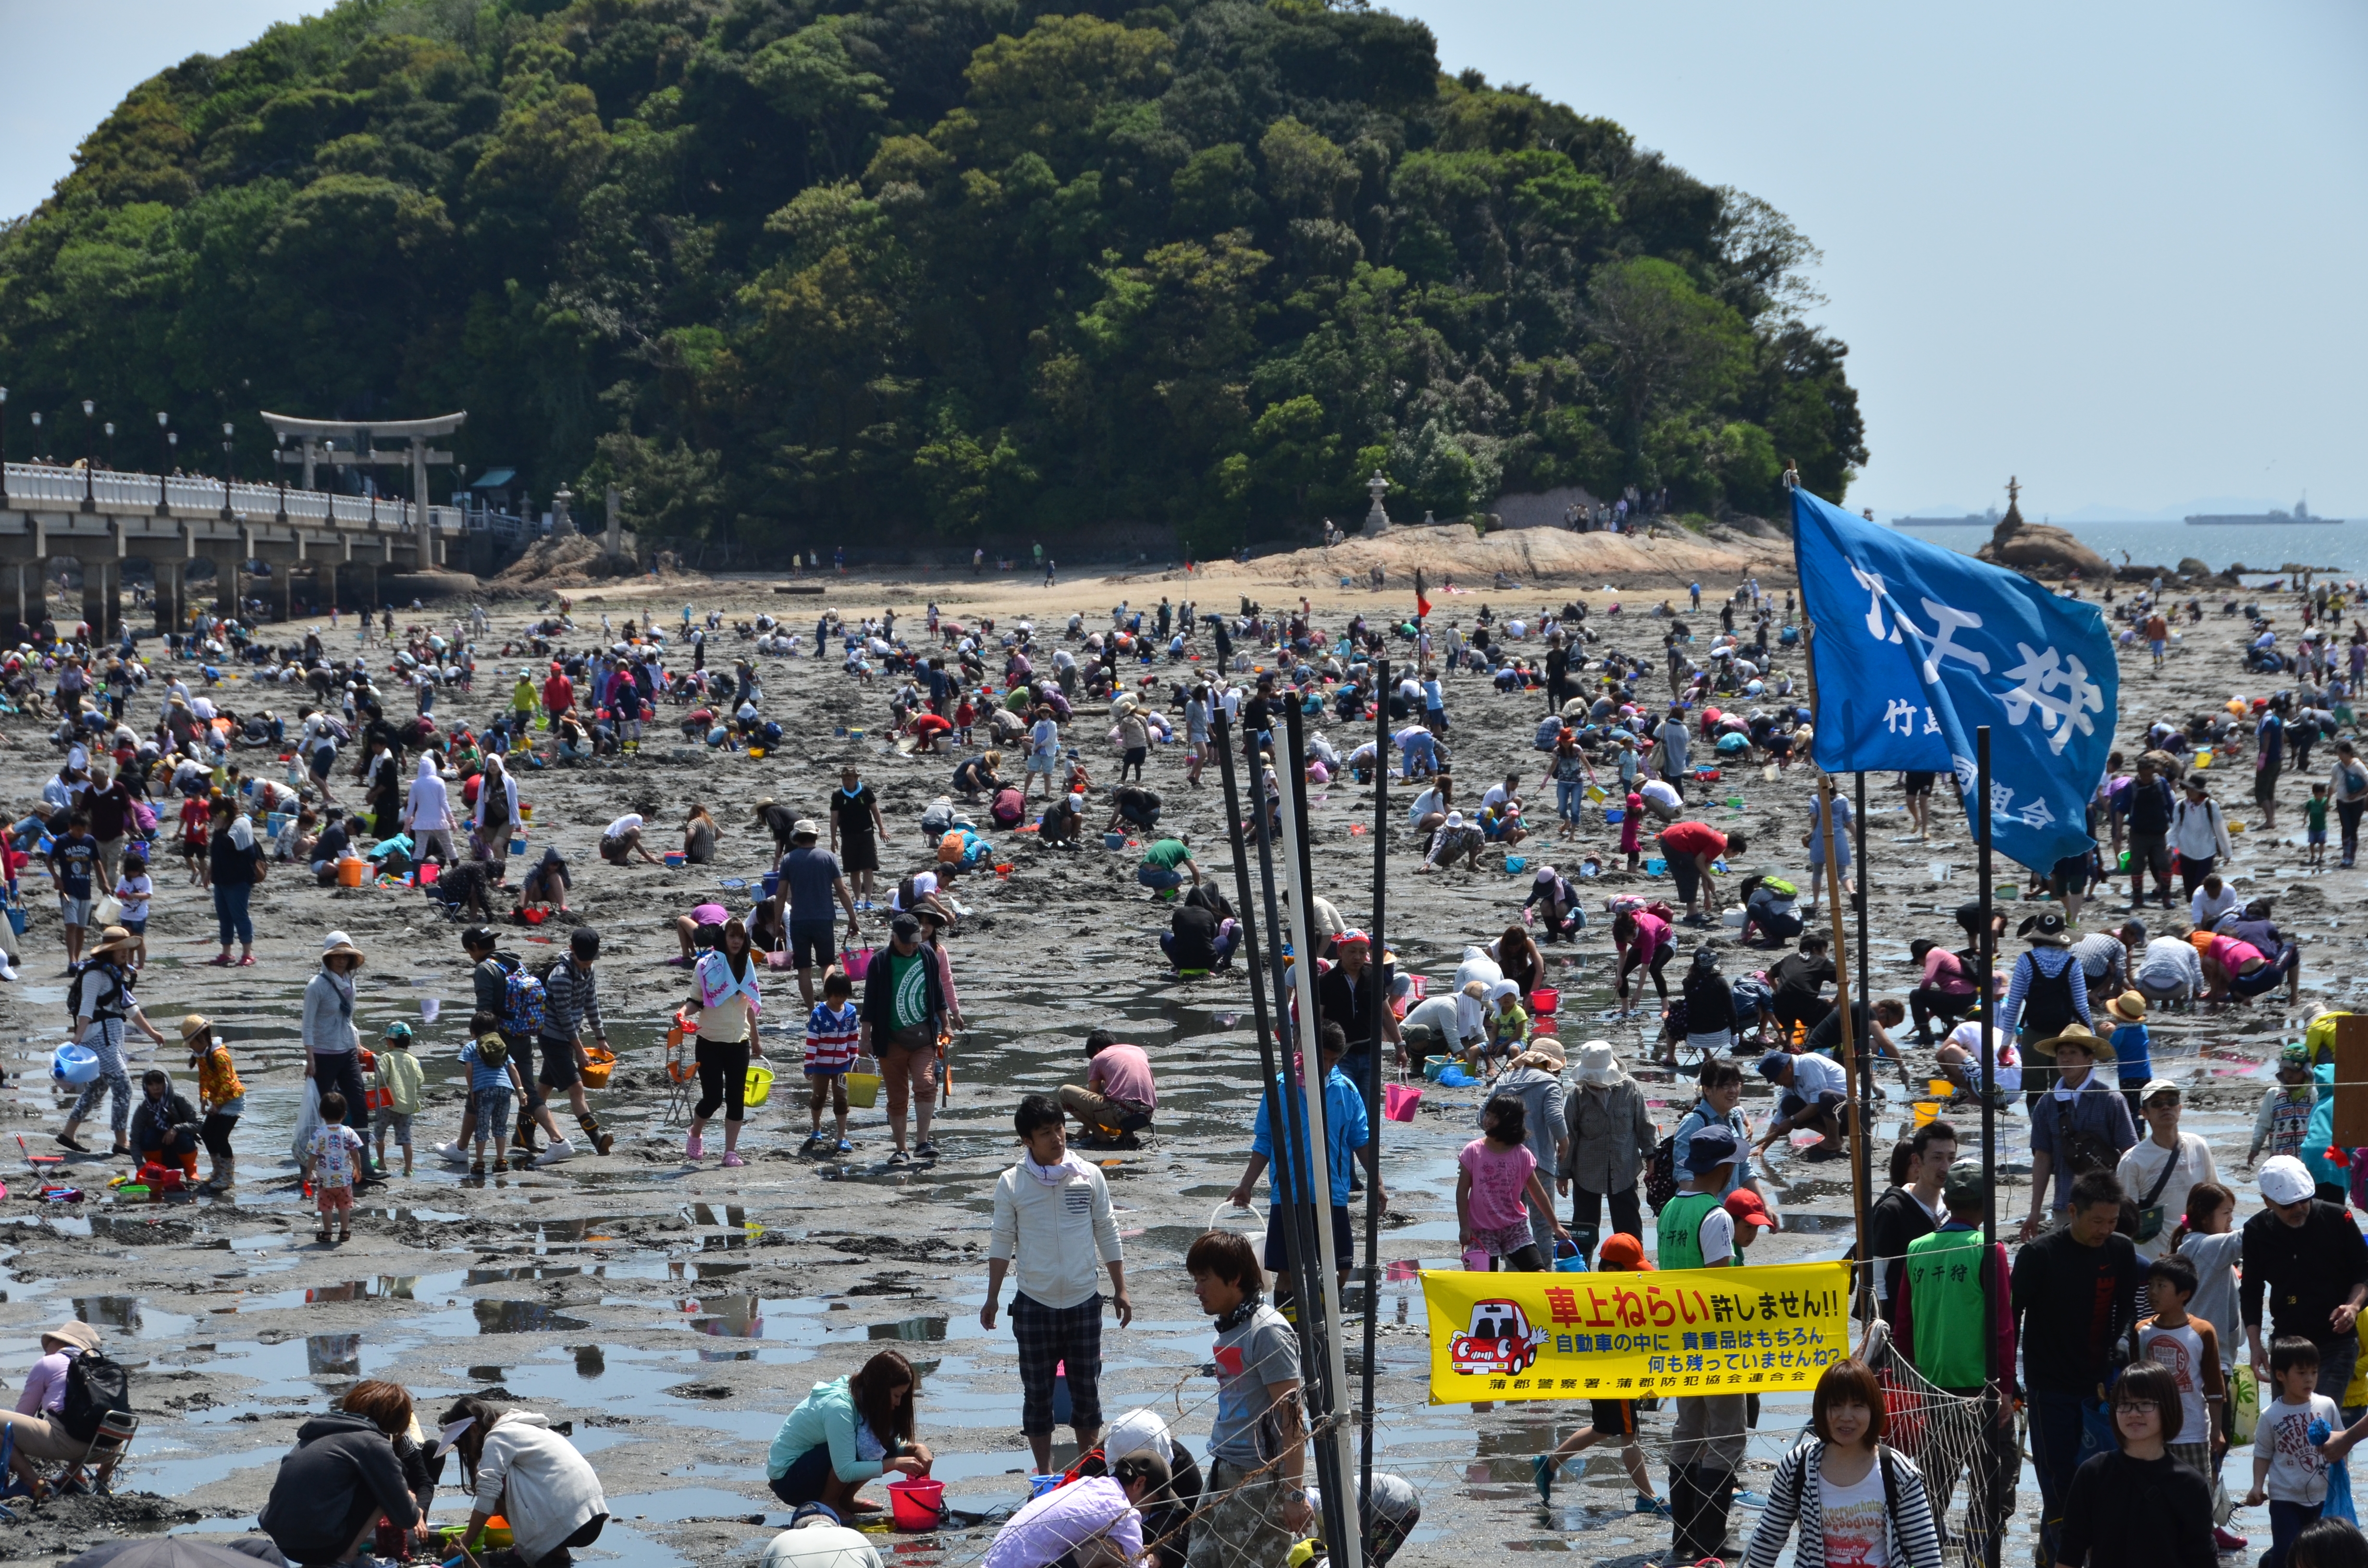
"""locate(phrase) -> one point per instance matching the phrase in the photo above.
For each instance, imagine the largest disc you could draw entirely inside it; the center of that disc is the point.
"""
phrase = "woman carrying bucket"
(847, 1431)
(103, 1004)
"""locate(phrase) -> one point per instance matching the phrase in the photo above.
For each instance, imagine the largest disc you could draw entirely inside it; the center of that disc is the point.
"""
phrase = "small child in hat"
(2132, 1060)
(221, 1100)
(399, 1082)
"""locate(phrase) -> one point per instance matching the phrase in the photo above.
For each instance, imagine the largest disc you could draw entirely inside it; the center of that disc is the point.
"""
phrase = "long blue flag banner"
(1916, 647)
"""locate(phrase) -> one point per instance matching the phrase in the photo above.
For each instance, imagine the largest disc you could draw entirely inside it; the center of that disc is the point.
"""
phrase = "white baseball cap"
(2285, 1179)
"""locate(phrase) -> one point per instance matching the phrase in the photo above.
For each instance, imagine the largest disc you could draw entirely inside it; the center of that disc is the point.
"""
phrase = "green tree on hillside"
(797, 272)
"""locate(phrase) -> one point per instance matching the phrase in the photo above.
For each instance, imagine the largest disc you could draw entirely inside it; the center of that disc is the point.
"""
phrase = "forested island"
(940, 270)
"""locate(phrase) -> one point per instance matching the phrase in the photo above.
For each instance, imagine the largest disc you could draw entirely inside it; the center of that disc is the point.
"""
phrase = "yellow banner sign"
(1618, 1335)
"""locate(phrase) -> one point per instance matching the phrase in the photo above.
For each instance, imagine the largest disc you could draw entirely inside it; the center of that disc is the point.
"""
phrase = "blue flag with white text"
(1917, 647)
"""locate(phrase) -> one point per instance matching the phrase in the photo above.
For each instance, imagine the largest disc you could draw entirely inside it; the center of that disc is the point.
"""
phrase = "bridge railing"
(41, 484)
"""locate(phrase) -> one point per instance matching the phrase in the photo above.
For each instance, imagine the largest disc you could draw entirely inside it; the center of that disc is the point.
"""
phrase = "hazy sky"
(2113, 249)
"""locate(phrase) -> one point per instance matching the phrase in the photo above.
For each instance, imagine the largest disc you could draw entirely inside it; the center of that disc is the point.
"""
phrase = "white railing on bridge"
(44, 485)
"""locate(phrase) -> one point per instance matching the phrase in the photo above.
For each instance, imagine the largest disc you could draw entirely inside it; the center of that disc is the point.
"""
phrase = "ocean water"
(2259, 548)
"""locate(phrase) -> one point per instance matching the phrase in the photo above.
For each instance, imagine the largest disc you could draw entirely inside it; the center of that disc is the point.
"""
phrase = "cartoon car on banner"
(1499, 1341)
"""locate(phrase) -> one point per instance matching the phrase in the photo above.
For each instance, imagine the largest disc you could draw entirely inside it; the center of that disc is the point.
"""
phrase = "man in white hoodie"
(1052, 1220)
(428, 813)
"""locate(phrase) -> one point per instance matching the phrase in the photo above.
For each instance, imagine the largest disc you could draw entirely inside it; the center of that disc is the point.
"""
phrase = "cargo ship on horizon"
(2301, 514)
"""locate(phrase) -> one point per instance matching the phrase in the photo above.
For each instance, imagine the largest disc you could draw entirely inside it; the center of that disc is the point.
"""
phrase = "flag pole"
(1850, 1071)
(1985, 956)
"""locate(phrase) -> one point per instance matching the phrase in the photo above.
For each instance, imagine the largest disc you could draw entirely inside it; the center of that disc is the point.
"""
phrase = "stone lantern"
(1377, 521)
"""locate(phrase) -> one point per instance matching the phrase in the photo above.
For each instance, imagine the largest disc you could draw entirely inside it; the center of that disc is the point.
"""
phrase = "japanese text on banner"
(1619, 1335)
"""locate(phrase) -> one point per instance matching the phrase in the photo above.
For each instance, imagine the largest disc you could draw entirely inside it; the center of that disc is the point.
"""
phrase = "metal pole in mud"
(1277, 1105)
(1372, 1271)
(1986, 956)
(1299, 1198)
(1291, 772)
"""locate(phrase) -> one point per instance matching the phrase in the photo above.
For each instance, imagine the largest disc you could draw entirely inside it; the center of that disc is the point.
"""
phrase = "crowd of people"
(2132, 1292)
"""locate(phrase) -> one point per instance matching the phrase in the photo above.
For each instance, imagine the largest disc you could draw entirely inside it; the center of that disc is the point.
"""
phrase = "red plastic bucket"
(1398, 1101)
(1544, 1001)
(917, 1502)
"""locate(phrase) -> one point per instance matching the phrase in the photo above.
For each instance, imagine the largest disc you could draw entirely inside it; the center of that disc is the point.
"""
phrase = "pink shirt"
(2232, 955)
(1652, 934)
(1123, 1073)
(45, 1386)
(1499, 1178)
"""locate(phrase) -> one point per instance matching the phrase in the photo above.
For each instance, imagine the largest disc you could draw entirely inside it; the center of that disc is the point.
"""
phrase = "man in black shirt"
(1191, 941)
(1347, 996)
(2307, 1257)
(2149, 806)
(1798, 978)
(2076, 1292)
(1907, 1213)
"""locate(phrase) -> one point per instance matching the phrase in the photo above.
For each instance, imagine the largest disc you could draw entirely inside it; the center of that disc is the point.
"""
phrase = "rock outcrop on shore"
(2041, 550)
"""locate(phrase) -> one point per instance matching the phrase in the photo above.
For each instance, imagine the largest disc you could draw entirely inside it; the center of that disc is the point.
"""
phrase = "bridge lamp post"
(226, 473)
(36, 433)
(3, 445)
(89, 458)
(281, 464)
(163, 504)
(110, 446)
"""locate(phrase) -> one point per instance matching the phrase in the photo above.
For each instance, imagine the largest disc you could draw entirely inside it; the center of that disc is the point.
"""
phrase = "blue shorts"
(140, 928)
(2313, 836)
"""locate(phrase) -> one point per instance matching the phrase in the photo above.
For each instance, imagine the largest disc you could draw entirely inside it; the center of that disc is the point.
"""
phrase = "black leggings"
(215, 1130)
(1635, 960)
(722, 1079)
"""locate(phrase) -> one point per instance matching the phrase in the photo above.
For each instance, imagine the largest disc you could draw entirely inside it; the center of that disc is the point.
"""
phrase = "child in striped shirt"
(832, 1030)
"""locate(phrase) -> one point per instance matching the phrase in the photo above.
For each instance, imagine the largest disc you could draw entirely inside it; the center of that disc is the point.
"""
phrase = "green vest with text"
(1679, 1229)
(1945, 1302)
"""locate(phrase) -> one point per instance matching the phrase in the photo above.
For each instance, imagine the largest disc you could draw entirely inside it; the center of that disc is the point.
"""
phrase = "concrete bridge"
(108, 521)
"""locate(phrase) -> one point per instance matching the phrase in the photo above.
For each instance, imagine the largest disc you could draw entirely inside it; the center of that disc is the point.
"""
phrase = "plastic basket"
(1516, 863)
(1114, 841)
(603, 1064)
(864, 1090)
(75, 1064)
(674, 857)
(759, 1087)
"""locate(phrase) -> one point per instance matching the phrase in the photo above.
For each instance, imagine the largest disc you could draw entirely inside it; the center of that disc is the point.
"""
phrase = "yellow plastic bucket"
(760, 1085)
(1942, 1088)
(1927, 1112)
(864, 1090)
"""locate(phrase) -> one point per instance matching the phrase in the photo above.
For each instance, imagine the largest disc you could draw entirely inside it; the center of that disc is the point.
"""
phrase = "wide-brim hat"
(111, 939)
(2079, 1035)
(2129, 1007)
(1599, 1063)
(195, 1023)
(73, 1332)
(336, 943)
(2046, 929)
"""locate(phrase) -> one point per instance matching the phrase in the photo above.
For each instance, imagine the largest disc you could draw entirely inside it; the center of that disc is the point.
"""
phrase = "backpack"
(97, 1387)
(493, 1050)
(1661, 1174)
(522, 1002)
(1661, 1171)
